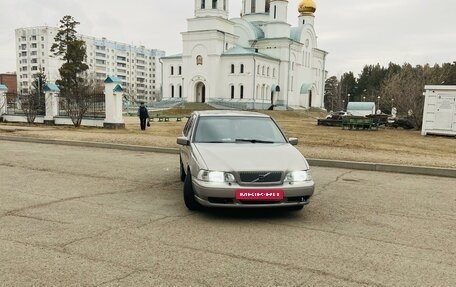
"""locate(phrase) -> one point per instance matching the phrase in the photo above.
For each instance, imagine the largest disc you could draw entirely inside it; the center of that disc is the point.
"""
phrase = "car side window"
(188, 126)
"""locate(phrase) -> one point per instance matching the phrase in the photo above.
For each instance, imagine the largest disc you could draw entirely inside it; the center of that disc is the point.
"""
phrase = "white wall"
(85, 122)
(22, 119)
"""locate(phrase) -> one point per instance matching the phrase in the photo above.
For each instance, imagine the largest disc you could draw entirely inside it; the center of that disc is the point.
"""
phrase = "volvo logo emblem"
(261, 177)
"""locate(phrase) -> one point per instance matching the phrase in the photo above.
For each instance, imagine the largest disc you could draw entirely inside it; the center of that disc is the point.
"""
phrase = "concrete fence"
(112, 117)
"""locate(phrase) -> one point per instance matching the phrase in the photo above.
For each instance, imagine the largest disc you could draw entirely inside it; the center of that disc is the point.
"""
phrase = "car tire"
(182, 172)
(296, 207)
(189, 194)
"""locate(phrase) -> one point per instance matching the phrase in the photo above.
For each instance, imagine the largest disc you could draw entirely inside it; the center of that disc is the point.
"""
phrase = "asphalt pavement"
(80, 216)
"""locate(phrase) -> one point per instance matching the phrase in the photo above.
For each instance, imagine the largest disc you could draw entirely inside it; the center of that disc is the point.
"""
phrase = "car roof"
(229, 113)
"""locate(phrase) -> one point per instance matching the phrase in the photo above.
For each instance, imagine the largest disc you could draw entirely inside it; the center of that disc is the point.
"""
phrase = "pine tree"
(33, 103)
(75, 90)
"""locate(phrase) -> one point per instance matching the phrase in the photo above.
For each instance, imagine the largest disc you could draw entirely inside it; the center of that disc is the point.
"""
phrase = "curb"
(91, 144)
(382, 167)
(417, 170)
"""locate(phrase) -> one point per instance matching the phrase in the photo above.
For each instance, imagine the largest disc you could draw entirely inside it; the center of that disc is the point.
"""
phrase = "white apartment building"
(138, 67)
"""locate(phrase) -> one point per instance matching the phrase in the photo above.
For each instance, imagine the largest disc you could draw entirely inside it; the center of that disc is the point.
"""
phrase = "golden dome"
(307, 7)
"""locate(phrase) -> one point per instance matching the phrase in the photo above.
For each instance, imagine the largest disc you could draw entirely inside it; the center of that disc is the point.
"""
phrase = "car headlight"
(299, 176)
(215, 176)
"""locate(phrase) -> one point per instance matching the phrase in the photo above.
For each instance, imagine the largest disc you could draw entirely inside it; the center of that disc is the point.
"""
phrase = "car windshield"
(237, 129)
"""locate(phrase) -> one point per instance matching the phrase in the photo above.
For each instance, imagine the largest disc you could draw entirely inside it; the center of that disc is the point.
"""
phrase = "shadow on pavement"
(248, 214)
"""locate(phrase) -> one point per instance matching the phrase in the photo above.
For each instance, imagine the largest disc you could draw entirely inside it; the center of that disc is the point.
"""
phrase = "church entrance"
(200, 92)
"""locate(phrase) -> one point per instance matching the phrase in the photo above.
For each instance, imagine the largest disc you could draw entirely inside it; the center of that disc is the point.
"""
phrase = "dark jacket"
(142, 112)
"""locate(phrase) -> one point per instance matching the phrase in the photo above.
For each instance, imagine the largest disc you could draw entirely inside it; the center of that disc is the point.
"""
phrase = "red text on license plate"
(259, 194)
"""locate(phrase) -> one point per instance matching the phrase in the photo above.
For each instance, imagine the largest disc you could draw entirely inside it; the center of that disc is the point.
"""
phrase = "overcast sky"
(354, 32)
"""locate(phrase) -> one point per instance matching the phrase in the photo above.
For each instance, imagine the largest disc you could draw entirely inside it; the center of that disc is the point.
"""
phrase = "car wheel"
(296, 207)
(189, 194)
(182, 172)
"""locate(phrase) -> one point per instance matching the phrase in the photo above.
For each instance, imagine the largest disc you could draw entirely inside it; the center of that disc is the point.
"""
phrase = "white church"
(258, 60)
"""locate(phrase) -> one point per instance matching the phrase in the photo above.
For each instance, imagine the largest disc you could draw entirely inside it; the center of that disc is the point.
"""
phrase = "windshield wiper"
(253, 141)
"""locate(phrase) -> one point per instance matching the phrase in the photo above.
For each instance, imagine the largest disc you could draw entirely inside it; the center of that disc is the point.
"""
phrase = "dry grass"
(394, 146)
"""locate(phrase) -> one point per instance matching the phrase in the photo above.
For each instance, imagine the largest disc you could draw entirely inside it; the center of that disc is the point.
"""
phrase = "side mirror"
(293, 141)
(183, 141)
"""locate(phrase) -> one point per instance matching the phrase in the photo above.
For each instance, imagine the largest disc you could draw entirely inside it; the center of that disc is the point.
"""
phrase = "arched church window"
(180, 70)
(199, 60)
(232, 69)
(180, 91)
(253, 6)
(214, 4)
(242, 68)
(267, 73)
(262, 71)
(172, 91)
(172, 70)
(203, 4)
(267, 5)
(275, 11)
(232, 91)
(241, 92)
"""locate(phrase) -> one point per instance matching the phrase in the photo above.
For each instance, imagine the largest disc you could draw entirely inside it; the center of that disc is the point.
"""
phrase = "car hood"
(251, 157)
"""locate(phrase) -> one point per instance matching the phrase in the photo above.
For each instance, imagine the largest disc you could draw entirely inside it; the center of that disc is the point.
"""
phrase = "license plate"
(259, 194)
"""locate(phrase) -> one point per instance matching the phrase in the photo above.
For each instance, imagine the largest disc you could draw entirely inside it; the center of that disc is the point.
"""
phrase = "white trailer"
(361, 109)
(439, 116)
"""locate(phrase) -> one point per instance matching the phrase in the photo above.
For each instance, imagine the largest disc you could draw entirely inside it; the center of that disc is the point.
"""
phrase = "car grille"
(254, 177)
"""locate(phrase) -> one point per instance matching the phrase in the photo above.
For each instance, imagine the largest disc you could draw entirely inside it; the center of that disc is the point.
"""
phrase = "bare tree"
(77, 101)
(405, 90)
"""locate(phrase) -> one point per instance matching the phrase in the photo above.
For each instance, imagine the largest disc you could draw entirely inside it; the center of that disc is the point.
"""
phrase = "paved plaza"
(74, 216)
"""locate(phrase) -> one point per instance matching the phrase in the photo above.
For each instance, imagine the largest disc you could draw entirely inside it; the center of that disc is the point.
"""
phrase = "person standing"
(143, 114)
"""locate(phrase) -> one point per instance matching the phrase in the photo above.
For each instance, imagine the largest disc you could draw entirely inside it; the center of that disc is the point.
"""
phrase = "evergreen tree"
(332, 94)
(33, 104)
(75, 91)
(348, 86)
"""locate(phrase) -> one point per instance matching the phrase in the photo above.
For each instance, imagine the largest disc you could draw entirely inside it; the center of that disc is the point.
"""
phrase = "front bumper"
(224, 194)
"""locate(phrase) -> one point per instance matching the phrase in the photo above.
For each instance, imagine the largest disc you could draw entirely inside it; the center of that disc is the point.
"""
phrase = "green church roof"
(112, 79)
(51, 88)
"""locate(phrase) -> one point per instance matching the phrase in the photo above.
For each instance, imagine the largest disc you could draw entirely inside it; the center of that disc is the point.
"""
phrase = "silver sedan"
(241, 159)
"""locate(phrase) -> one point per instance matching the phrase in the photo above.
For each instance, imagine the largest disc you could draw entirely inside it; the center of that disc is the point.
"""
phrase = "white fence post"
(51, 103)
(113, 103)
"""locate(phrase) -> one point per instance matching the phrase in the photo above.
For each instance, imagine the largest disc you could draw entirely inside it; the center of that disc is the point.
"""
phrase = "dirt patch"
(395, 146)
